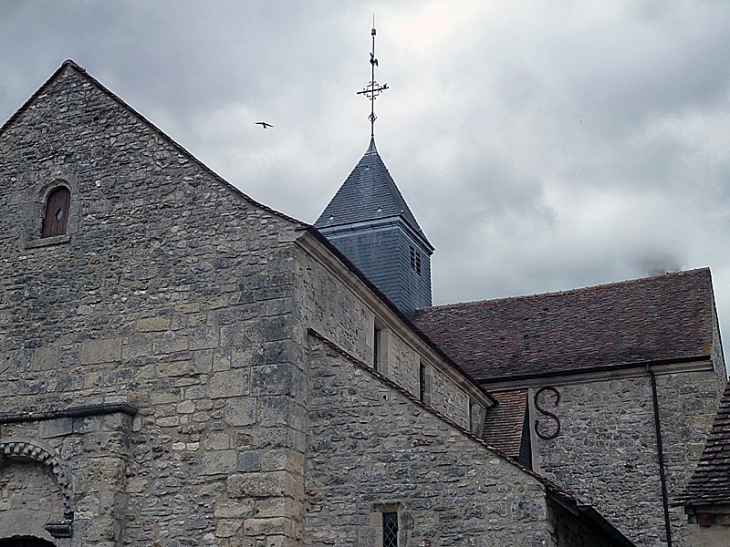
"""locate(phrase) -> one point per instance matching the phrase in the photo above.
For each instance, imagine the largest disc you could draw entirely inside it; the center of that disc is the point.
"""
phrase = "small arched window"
(56, 219)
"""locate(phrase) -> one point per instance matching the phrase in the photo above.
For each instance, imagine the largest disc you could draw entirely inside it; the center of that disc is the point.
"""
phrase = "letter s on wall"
(543, 436)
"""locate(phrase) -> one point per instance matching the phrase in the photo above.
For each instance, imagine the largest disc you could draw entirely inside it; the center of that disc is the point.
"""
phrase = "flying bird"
(264, 125)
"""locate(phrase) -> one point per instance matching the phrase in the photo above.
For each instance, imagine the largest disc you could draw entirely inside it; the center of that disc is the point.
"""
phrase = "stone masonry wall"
(688, 404)
(451, 402)
(331, 308)
(370, 449)
(404, 365)
(606, 451)
(170, 292)
(94, 454)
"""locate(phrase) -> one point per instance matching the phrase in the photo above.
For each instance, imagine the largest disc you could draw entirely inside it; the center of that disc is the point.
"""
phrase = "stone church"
(183, 366)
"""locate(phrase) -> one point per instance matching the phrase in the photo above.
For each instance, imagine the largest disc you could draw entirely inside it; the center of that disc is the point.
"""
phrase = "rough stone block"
(170, 342)
(186, 407)
(172, 369)
(229, 383)
(45, 358)
(139, 345)
(218, 462)
(261, 485)
(235, 509)
(228, 528)
(281, 379)
(240, 412)
(55, 428)
(249, 462)
(100, 351)
(280, 411)
(205, 338)
(217, 441)
(153, 324)
(268, 526)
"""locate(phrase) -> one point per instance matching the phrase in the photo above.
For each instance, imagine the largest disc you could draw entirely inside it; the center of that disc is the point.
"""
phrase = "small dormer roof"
(368, 194)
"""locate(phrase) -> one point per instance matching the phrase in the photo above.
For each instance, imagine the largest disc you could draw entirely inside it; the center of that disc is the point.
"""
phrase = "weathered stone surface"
(249, 462)
(56, 428)
(454, 491)
(150, 300)
(606, 452)
(261, 485)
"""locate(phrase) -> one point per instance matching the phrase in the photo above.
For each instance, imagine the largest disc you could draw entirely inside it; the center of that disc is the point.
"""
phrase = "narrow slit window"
(390, 529)
(377, 343)
(422, 382)
(415, 260)
(56, 218)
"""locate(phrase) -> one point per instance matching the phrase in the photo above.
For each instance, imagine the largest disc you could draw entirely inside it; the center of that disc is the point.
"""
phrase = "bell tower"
(370, 223)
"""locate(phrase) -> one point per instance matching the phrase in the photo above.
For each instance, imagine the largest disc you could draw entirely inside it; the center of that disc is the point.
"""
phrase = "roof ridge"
(70, 64)
(680, 273)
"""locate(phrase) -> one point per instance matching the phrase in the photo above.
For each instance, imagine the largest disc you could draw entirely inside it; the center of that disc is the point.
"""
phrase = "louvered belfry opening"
(56, 219)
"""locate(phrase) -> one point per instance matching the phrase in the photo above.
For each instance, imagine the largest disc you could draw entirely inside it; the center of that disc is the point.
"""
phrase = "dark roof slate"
(710, 483)
(369, 193)
(664, 318)
(504, 422)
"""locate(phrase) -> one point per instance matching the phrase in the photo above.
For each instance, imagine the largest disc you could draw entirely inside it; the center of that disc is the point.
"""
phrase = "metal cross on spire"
(373, 89)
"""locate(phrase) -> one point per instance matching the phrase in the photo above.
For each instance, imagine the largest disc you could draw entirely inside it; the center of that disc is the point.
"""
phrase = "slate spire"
(368, 194)
(371, 224)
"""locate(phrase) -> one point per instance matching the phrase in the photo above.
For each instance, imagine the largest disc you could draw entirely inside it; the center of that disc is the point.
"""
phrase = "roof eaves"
(394, 220)
(608, 368)
(591, 288)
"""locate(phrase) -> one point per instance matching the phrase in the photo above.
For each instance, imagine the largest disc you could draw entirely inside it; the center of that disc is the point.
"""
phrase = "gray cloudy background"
(543, 145)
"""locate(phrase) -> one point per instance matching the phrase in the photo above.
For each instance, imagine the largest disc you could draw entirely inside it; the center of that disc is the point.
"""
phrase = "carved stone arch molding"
(29, 451)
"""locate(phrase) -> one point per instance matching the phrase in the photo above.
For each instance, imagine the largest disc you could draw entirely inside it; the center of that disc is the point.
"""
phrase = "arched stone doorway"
(25, 542)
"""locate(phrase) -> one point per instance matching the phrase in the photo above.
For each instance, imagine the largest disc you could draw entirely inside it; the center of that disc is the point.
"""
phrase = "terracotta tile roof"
(503, 422)
(664, 318)
(710, 483)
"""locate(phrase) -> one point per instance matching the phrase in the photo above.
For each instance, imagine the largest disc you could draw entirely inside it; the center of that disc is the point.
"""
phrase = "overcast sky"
(542, 145)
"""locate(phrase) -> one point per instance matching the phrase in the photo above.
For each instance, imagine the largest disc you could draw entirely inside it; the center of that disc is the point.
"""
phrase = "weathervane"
(373, 89)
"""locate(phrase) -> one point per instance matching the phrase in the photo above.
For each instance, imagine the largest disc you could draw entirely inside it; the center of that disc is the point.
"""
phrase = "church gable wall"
(373, 450)
(606, 449)
(172, 293)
